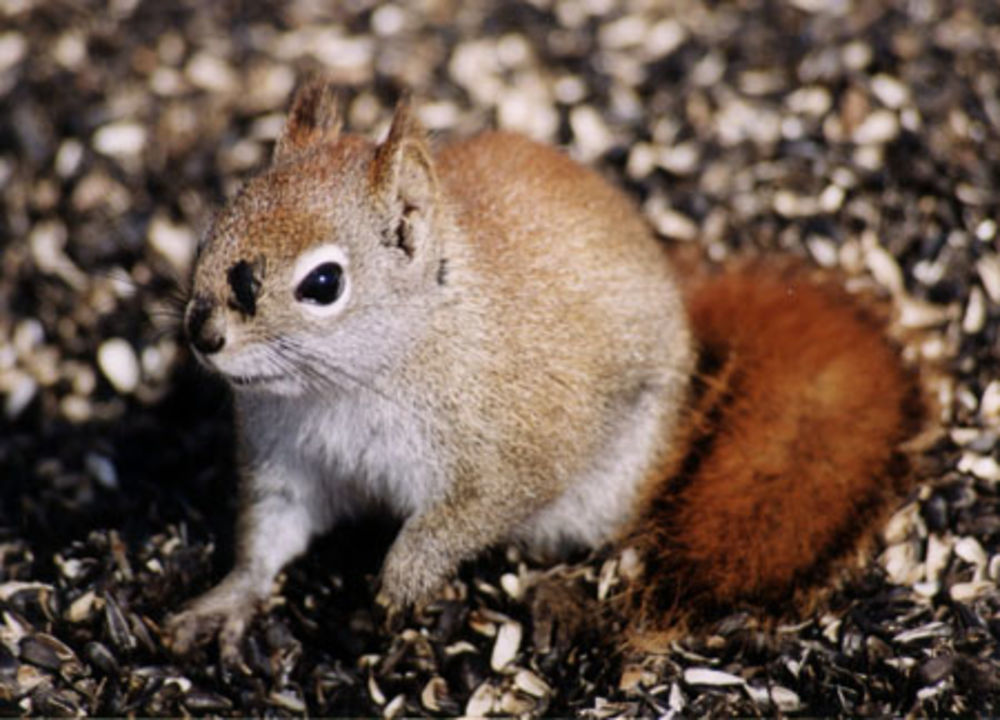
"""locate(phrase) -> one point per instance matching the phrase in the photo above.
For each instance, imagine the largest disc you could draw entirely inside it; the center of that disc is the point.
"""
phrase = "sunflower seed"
(506, 646)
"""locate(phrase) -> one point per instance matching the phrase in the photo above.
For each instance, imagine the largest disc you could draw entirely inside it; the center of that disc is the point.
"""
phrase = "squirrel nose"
(207, 337)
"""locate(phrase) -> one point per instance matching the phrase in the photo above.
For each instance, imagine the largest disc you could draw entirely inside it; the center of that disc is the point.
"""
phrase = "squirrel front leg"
(274, 526)
(476, 513)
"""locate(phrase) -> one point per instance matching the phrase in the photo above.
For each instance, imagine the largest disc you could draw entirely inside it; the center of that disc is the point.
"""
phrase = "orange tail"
(800, 406)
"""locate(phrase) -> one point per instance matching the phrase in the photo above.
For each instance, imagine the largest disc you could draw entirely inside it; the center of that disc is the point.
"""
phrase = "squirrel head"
(306, 271)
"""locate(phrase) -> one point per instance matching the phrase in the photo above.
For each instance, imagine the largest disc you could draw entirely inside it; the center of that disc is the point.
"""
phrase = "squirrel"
(490, 342)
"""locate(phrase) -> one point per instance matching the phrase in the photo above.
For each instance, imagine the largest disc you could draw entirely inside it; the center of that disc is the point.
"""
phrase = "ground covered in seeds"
(863, 135)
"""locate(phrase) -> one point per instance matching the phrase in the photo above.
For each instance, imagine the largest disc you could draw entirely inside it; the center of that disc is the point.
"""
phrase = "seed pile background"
(863, 135)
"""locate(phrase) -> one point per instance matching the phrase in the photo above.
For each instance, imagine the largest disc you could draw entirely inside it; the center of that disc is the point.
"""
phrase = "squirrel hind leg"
(792, 455)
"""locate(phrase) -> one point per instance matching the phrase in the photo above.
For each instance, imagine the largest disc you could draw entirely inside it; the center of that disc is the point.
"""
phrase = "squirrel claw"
(208, 618)
(393, 614)
(230, 650)
(189, 629)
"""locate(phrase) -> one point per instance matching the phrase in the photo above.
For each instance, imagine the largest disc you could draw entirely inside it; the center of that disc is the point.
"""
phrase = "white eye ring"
(308, 262)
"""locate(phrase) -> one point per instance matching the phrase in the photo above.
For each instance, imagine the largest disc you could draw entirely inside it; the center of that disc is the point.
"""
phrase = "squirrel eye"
(322, 286)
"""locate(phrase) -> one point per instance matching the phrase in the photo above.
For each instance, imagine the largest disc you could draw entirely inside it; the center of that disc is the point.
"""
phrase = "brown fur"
(792, 449)
(314, 118)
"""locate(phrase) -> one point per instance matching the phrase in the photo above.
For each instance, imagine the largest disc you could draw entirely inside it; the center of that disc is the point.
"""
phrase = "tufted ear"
(403, 181)
(314, 118)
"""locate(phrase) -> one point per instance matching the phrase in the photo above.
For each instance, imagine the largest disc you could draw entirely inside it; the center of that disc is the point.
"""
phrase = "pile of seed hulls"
(865, 136)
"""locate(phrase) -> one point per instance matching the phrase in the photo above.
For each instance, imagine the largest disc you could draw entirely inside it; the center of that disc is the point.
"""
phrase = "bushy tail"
(799, 408)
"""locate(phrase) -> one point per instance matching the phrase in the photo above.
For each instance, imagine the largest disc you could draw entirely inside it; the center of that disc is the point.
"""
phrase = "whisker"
(165, 331)
(167, 312)
(308, 360)
(302, 366)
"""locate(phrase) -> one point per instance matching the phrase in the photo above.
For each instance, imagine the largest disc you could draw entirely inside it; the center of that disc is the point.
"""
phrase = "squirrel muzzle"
(204, 324)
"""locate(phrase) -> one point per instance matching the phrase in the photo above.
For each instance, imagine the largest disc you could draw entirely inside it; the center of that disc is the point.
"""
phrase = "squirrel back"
(799, 409)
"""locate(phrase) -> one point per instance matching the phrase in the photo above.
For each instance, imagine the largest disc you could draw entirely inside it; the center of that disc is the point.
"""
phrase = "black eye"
(322, 286)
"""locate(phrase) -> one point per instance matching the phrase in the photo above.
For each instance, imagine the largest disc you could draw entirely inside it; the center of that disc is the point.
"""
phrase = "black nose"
(204, 335)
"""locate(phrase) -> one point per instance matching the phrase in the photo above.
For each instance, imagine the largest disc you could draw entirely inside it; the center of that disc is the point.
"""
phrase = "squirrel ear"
(313, 118)
(403, 181)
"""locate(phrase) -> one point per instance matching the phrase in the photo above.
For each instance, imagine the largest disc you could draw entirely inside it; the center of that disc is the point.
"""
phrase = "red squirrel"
(490, 342)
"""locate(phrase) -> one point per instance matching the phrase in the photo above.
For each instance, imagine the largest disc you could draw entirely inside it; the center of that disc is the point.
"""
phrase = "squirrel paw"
(412, 572)
(392, 615)
(213, 614)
